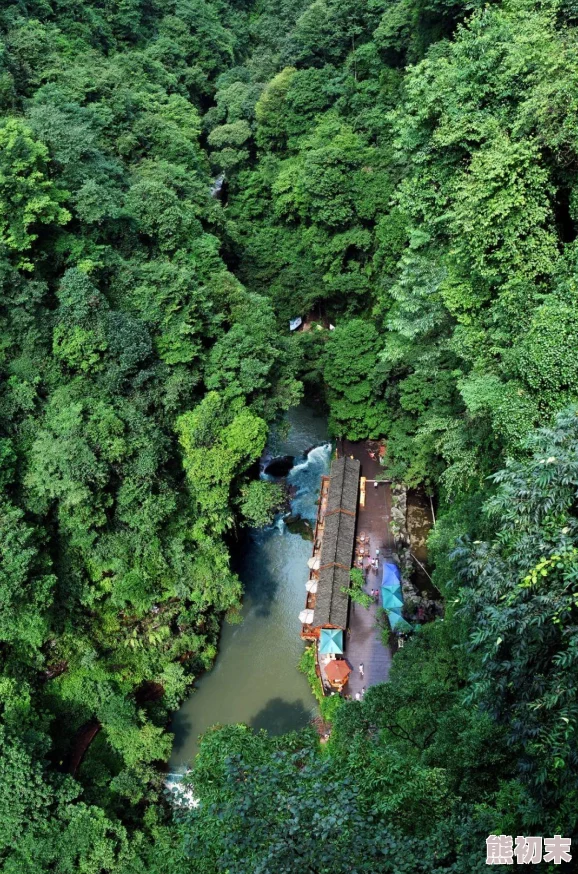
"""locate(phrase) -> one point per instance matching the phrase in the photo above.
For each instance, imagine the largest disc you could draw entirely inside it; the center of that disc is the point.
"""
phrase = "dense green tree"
(26, 585)
(27, 196)
(259, 502)
(403, 171)
(276, 805)
(118, 317)
(353, 381)
(519, 591)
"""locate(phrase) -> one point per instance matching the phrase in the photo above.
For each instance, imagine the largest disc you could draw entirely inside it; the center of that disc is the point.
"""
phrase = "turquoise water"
(255, 678)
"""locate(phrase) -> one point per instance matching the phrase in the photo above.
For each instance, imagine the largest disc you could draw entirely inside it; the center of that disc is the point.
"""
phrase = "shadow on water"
(279, 716)
(259, 567)
(183, 735)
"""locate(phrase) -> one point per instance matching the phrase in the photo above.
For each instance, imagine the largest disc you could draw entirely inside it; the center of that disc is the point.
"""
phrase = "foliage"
(276, 806)
(519, 591)
(137, 381)
(260, 501)
(355, 591)
(401, 172)
(27, 196)
(328, 705)
(350, 375)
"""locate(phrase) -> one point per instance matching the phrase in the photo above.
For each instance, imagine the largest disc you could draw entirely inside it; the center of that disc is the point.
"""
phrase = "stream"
(255, 679)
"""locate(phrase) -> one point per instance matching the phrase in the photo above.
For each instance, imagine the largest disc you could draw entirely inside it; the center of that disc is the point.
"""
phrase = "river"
(255, 679)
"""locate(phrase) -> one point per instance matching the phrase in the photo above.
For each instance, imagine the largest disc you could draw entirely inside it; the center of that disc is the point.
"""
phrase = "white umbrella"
(311, 586)
(313, 563)
(306, 617)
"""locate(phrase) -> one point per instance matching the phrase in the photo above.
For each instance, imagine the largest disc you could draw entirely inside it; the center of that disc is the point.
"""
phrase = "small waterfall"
(216, 188)
(319, 456)
(304, 477)
(180, 794)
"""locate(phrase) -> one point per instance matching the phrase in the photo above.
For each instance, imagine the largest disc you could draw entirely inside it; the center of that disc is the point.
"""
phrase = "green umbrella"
(392, 587)
(397, 622)
(391, 598)
(331, 641)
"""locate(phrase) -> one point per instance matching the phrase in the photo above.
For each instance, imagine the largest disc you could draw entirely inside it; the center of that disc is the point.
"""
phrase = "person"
(363, 692)
(361, 670)
(374, 483)
(357, 696)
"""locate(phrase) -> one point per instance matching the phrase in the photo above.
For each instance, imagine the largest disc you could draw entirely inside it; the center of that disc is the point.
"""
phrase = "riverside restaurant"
(325, 616)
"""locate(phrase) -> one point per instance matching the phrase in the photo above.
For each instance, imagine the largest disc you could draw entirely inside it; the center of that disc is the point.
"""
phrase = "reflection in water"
(255, 678)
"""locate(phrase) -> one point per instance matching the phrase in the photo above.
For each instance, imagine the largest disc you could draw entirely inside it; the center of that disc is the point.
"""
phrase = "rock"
(297, 525)
(280, 466)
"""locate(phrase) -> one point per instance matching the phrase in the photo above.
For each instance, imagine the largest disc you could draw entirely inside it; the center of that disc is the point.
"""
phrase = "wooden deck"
(364, 644)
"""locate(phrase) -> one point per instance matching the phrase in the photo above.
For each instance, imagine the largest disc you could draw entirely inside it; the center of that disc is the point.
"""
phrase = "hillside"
(404, 171)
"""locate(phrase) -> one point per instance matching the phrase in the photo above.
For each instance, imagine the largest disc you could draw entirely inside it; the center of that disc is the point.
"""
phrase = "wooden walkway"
(364, 642)
(364, 646)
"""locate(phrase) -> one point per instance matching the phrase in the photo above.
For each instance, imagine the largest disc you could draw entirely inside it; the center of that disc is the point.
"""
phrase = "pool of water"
(255, 679)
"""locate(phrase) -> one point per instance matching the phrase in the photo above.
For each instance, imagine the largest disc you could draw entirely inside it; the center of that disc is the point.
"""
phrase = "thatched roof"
(343, 485)
(338, 542)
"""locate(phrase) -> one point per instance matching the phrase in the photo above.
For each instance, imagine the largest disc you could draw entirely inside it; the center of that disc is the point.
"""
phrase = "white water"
(217, 185)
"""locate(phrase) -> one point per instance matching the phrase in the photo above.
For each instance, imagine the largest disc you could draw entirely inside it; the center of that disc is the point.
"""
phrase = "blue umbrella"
(391, 574)
(391, 599)
(392, 587)
(331, 641)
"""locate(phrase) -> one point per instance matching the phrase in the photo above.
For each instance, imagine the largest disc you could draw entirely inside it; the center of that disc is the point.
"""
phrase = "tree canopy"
(402, 175)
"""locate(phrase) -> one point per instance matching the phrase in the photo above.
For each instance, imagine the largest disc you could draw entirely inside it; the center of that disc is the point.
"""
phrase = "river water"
(255, 679)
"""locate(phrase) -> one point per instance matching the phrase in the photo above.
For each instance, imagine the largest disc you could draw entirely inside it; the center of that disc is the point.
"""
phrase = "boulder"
(298, 525)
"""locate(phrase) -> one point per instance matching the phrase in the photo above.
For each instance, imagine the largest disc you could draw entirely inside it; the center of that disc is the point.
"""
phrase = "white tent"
(306, 617)
(311, 586)
(314, 563)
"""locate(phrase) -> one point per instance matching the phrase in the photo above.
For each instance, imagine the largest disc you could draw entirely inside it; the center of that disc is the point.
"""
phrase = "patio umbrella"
(314, 563)
(391, 599)
(311, 586)
(331, 641)
(391, 574)
(337, 671)
(393, 590)
(306, 617)
(397, 622)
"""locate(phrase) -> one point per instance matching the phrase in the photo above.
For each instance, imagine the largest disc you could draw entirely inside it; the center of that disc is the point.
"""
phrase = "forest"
(406, 170)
